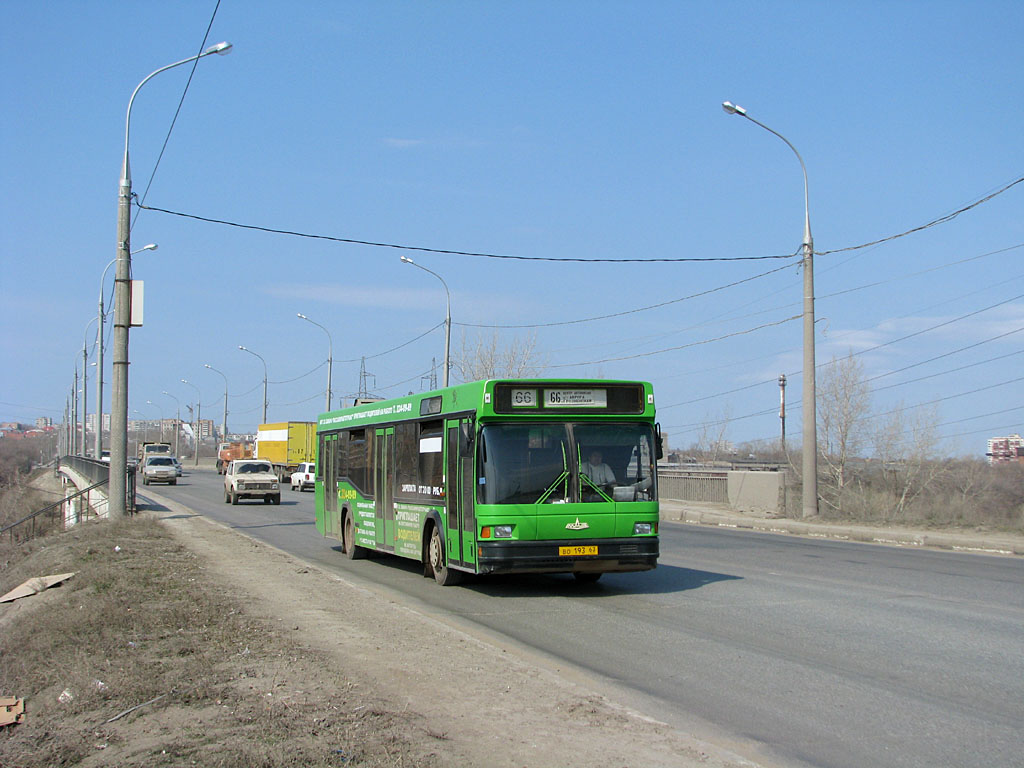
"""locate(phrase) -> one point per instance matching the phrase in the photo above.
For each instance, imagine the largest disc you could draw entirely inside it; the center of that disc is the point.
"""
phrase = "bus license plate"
(576, 551)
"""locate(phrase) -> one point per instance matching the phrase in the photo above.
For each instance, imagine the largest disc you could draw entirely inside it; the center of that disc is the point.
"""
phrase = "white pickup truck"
(304, 477)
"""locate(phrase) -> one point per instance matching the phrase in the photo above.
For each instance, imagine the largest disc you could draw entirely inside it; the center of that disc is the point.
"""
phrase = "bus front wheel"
(443, 575)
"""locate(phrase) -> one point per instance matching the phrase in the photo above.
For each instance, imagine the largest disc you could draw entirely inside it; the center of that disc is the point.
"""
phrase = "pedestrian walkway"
(960, 540)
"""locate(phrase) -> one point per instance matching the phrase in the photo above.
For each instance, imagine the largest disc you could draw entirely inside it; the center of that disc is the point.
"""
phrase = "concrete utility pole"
(447, 317)
(177, 424)
(246, 349)
(199, 418)
(810, 417)
(224, 423)
(117, 489)
(782, 409)
(101, 320)
(74, 414)
(330, 356)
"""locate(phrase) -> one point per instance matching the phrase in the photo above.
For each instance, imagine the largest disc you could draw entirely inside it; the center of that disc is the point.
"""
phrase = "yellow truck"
(286, 444)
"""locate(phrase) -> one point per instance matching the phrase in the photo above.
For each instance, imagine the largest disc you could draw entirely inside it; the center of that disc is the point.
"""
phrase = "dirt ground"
(511, 712)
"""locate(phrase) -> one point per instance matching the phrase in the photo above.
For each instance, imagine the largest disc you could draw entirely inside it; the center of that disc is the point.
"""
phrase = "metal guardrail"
(50, 509)
(99, 472)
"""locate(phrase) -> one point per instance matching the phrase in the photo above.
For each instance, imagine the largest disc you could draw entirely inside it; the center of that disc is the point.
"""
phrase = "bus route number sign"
(524, 398)
(576, 398)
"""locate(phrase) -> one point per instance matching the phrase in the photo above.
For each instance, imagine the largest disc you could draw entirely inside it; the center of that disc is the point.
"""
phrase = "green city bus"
(498, 476)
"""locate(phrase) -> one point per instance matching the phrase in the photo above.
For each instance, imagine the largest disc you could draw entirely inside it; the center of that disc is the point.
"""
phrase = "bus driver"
(600, 474)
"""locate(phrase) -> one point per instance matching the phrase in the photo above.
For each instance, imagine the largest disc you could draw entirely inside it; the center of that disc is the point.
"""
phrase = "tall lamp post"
(447, 317)
(199, 417)
(161, 412)
(118, 484)
(85, 387)
(246, 349)
(101, 318)
(810, 418)
(177, 424)
(223, 424)
(330, 355)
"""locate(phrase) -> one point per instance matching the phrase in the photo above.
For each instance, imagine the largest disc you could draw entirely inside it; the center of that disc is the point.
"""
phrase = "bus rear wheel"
(353, 550)
(443, 575)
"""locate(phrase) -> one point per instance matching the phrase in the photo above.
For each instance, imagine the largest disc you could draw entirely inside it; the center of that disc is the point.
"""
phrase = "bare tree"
(484, 356)
(907, 444)
(843, 403)
(711, 442)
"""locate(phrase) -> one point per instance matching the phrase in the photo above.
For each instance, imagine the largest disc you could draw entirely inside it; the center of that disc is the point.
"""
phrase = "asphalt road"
(788, 650)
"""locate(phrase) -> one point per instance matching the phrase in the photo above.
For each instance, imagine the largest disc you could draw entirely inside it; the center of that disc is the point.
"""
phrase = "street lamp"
(161, 412)
(199, 416)
(85, 386)
(223, 424)
(244, 349)
(330, 355)
(447, 317)
(118, 484)
(99, 353)
(810, 419)
(177, 424)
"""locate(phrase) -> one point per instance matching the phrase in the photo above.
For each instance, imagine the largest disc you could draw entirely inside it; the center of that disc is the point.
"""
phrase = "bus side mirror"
(659, 448)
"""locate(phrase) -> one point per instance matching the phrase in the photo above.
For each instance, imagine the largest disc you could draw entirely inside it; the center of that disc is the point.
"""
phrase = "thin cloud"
(403, 143)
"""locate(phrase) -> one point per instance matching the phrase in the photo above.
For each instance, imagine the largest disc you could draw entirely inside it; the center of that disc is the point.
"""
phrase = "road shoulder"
(478, 704)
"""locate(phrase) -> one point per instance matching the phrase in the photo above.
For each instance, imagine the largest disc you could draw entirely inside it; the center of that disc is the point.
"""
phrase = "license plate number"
(576, 551)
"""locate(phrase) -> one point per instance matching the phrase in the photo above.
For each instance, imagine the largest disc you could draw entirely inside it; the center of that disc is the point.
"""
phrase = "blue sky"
(572, 130)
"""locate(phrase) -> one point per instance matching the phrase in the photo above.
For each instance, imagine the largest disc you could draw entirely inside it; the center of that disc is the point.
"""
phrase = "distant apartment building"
(1002, 450)
(43, 422)
(90, 421)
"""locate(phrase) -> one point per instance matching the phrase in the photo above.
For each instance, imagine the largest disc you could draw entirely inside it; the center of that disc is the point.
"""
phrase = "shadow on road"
(664, 579)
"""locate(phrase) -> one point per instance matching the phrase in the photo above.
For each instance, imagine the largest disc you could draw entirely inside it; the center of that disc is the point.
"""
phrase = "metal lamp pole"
(447, 317)
(199, 417)
(810, 418)
(223, 424)
(101, 317)
(246, 349)
(330, 356)
(177, 424)
(161, 412)
(85, 387)
(118, 484)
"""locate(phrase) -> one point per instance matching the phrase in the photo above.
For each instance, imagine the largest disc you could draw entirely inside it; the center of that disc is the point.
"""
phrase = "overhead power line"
(177, 112)
(935, 222)
(480, 254)
(448, 252)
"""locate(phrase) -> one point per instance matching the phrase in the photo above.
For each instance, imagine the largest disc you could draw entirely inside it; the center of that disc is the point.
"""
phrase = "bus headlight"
(641, 529)
(503, 531)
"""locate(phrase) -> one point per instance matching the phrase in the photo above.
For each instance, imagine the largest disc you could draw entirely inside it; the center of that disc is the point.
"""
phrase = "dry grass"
(144, 622)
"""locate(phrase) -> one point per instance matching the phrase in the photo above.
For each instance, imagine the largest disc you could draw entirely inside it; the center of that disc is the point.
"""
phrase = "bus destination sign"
(576, 398)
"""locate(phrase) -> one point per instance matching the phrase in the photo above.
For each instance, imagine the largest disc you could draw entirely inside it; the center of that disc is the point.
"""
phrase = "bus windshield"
(566, 462)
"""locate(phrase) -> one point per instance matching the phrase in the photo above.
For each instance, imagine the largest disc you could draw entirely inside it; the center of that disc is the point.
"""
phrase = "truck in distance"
(286, 445)
(228, 452)
(153, 449)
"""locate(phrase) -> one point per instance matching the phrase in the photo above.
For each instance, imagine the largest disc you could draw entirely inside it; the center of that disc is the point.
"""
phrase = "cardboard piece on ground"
(12, 710)
(34, 586)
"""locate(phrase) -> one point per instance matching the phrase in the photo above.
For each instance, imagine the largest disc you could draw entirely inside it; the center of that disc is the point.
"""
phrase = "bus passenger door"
(460, 533)
(384, 488)
(327, 467)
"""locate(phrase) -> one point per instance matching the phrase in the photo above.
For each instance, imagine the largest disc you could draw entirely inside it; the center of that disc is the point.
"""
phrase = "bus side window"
(356, 456)
(406, 458)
